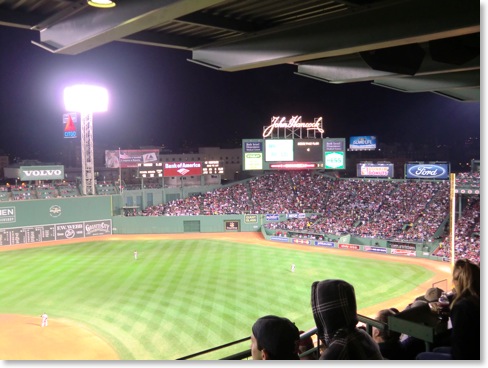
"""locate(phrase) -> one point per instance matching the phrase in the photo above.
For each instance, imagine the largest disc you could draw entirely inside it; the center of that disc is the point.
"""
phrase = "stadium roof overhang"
(406, 45)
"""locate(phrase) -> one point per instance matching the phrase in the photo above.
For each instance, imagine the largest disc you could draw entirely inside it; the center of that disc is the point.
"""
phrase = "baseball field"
(184, 293)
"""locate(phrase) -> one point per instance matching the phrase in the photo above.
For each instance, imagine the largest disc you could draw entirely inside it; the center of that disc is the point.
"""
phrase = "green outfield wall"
(53, 211)
(31, 221)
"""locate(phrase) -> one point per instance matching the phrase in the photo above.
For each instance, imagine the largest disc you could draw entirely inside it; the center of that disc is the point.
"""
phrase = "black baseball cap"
(278, 335)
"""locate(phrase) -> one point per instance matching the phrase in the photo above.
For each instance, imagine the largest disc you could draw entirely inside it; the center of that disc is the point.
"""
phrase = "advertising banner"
(301, 241)
(251, 219)
(368, 248)
(375, 170)
(7, 214)
(253, 161)
(252, 154)
(70, 121)
(349, 246)
(130, 158)
(232, 225)
(403, 252)
(327, 244)
(283, 239)
(182, 169)
(335, 160)
(54, 172)
(363, 142)
(427, 171)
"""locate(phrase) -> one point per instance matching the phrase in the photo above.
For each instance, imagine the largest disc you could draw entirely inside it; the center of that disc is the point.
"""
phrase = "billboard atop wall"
(427, 171)
(182, 169)
(52, 172)
(362, 143)
(370, 170)
(130, 158)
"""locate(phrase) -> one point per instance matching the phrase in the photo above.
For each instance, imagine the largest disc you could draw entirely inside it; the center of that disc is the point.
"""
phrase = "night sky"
(157, 97)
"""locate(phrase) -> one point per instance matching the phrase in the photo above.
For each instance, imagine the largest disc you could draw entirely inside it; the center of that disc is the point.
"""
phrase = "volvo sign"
(55, 172)
(427, 171)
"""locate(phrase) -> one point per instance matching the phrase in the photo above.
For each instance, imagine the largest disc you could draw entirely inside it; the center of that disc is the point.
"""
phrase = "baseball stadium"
(198, 280)
(153, 257)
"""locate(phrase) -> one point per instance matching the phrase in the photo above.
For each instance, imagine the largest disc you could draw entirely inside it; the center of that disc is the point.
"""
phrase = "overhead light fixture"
(101, 3)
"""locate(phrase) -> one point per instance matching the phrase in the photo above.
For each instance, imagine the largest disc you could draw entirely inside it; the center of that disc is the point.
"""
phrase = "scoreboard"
(157, 169)
(212, 167)
(150, 170)
(43, 233)
(294, 154)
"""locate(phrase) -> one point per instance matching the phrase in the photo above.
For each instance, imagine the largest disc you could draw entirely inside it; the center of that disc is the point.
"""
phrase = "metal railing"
(368, 322)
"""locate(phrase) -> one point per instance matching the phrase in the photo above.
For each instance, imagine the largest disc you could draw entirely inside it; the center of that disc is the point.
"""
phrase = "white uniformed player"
(292, 267)
(44, 319)
(135, 254)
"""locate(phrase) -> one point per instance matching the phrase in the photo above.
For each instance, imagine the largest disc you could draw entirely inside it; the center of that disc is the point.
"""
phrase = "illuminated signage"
(295, 122)
(375, 170)
(55, 172)
(253, 161)
(278, 150)
(427, 171)
(334, 153)
(252, 154)
(69, 121)
(212, 167)
(364, 142)
(294, 166)
(335, 160)
(334, 145)
(256, 146)
(182, 169)
(151, 170)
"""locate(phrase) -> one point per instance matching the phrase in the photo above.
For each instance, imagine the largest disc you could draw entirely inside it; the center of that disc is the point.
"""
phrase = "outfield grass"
(183, 296)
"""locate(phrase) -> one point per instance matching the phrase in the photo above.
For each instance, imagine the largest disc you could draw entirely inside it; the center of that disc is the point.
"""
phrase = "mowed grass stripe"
(183, 296)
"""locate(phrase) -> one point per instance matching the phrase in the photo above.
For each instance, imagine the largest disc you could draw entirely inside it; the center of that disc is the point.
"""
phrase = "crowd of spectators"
(400, 210)
(466, 235)
(468, 179)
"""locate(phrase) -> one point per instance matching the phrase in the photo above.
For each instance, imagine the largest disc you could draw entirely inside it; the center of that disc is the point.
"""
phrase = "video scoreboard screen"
(293, 154)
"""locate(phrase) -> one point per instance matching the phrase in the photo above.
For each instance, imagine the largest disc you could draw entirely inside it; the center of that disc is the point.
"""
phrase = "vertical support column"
(452, 197)
(87, 160)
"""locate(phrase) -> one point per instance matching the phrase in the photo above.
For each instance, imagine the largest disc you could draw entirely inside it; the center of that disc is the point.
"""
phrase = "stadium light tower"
(86, 100)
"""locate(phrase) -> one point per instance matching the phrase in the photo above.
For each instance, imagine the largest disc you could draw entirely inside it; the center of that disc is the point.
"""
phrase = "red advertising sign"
(403, 252)
(182, 169)
(348, 246)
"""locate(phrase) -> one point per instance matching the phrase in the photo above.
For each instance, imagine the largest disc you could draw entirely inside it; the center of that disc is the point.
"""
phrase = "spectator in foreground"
(465, 316)
(274, 338)
(388, 341)
(305, 345)
(335, 312)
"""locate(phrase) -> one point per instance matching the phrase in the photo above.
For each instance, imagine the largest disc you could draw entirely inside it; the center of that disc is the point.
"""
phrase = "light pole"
(86, 100)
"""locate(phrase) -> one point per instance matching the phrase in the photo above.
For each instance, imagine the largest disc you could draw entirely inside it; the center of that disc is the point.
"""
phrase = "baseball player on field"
(44, 320)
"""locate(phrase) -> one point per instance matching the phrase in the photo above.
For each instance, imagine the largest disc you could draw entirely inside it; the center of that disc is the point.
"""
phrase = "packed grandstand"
(394, 210)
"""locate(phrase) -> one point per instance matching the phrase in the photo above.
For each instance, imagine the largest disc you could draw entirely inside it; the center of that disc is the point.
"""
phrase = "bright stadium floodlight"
(101, 3)
(86, 100)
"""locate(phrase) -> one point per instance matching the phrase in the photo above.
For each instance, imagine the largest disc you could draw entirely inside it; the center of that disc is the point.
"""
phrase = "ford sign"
(427, 171)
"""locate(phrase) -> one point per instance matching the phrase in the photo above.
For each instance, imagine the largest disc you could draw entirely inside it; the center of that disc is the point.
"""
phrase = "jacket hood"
(333, 307)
